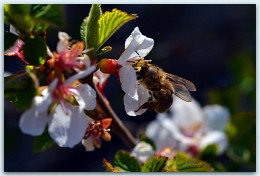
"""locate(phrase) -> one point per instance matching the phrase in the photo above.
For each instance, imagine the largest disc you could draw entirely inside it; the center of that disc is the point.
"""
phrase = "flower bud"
(109, 66)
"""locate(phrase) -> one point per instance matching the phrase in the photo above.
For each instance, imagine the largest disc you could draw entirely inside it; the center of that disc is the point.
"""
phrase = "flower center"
(62, 94)
(95, 129)
(192, 130)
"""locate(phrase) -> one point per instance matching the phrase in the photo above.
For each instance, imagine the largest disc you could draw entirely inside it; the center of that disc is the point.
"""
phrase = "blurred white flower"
(190, 128)
(143, 151)
(67, 123)
(137, 46)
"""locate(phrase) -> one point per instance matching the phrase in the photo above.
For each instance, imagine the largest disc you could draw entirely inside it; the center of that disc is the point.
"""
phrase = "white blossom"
(67, 124)
(188, 125)
(143, 151)
(137, 46)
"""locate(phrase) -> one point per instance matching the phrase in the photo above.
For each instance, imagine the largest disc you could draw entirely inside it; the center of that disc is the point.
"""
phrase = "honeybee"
(161, 86)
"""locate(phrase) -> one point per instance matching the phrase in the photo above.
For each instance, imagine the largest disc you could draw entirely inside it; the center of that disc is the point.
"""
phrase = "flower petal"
(214, 137)
(132, 103)
(145, 44)
(186, 115)
(68, 129)
(128, 80)
(137, 46)
(88, 144)
(85, 96)
(79, 75)
(216, 117)
(34, 120)
(142, 151)
(161, 136)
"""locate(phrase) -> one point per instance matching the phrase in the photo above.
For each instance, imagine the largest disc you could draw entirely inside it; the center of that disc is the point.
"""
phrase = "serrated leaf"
(155, 164)
(209, 152)
(35, 51)
(104, 50)
(9, 40)
(20, 89)
(89, 29)
(43, 142)
(83, 31)
(184, 163)
(125, 161)
(110, 22)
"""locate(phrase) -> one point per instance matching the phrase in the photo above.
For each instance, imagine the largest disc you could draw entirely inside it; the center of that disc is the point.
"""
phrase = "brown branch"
(117, 125)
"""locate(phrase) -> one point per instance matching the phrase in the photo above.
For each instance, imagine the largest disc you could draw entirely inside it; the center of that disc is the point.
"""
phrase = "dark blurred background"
(214, 46)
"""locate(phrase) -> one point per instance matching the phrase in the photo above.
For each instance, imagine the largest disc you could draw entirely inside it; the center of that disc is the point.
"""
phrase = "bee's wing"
(181, 91)
(178, 89)
(181, 81)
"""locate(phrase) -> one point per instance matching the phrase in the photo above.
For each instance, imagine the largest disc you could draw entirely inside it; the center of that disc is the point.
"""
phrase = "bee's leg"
(150, 104)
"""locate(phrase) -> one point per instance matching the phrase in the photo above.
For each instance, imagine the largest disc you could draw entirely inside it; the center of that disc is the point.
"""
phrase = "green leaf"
(238, 154)
(155, 164)
(32, 19)
(238, 140)
(182, 162)
(110, 22)
(209, 152)
(38, 10)
(20, 89)
(144, 138)
(18, 16)
(35, 51)
(43, 142)
(125, 161)
(9, 40)
(50, 14)
(104, 50)
(83, 31)
(89, 28)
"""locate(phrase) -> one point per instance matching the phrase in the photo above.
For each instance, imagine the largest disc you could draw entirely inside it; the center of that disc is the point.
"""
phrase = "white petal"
(214, 137)
(34, 120)
(132, 103)
(160, 135)
(13, 30)
(62, 46)
(88, 144)
(136, 46)
(86, 96)
(80, 75)
(186, 115)
(216, 117)
(68, 129)
(52, 85)
(142, 151)
(63, 36)
(13, 50)
(128, 80)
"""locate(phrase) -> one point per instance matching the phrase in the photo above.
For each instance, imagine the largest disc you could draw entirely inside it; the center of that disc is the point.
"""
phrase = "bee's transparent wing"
(182, 92)
(181, 81)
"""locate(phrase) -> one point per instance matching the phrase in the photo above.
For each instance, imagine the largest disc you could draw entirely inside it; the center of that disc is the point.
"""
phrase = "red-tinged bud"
(108, 66)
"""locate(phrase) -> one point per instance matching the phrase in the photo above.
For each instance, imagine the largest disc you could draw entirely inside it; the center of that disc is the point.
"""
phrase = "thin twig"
(117, 126)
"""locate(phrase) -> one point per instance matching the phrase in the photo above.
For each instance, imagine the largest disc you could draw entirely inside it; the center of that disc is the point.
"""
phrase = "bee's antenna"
(138, 54)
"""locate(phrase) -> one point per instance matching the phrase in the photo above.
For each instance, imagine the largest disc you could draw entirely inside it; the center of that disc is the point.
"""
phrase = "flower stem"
(117, 125)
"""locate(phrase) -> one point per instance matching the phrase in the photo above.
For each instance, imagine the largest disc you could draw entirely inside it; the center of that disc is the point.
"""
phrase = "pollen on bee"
(138, 69)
